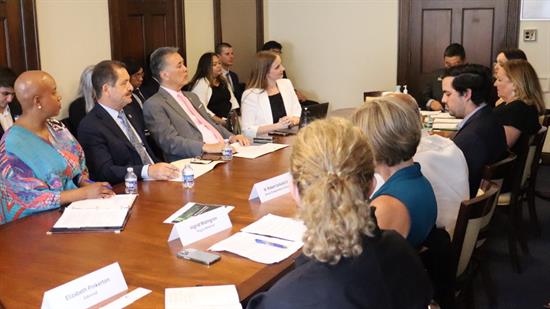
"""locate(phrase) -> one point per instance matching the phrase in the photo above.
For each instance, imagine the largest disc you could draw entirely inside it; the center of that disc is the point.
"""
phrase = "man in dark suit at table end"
(9, 107)
(431, 94)
(480, 137)
(111, 137)
(178, 120)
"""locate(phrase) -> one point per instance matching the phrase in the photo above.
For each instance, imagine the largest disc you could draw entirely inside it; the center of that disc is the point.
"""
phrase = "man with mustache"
(111, 137)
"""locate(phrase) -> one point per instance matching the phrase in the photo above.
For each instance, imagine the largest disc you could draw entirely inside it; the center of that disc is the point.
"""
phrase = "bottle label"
(227, 153)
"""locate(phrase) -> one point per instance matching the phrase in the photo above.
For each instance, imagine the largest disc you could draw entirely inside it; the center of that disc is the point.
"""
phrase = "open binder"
(96, 215)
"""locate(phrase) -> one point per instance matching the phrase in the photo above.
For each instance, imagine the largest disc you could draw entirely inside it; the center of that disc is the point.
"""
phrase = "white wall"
(335, 50)
(538, 55)
(326, 43)
(72, 35)
(199, 31)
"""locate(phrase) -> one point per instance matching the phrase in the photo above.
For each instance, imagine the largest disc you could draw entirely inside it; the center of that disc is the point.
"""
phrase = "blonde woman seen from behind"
(406, 201)
(347, 261)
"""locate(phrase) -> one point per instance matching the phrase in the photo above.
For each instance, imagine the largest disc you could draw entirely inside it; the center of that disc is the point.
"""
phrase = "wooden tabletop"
(32, 262)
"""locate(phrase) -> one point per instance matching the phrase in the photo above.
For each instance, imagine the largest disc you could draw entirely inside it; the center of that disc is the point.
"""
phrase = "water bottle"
(227, 151)
(430, 123)
(130, 181)
(305, 119)
(398, 88)
(188, 176)
(405, 90)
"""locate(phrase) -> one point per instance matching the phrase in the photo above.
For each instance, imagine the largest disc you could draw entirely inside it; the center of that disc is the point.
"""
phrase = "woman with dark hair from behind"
(503, 56)
(347, 261)
(211, 87)
(518, 85)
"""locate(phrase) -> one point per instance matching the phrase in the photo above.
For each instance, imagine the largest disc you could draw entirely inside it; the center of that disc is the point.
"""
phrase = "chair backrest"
(533, 157)
(468, 224)
(501, 172)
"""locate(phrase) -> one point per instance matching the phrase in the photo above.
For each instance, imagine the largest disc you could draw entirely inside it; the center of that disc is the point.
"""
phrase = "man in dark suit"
(431, 94)
(480, 137)
(178, 120)
(225, 53)
(111, 137)
(9, 107)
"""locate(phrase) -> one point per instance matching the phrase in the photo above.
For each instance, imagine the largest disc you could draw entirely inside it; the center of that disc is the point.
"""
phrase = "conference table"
(32, 262)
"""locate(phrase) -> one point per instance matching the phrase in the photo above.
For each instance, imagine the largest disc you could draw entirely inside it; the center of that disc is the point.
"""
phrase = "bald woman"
(41, 164)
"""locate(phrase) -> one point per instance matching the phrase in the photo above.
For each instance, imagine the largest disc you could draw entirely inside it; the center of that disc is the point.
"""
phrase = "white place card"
(201, 226)
(88, 290)
(271, 188)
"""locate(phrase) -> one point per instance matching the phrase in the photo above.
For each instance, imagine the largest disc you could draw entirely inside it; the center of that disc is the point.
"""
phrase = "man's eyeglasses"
(7, 93)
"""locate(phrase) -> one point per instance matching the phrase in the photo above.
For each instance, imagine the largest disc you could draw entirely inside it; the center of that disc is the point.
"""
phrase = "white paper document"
(429, 113)
(115, 202)
(202, 297)
(277, 226)
(96, 213)
(441, 115)
(199, 169)
(445, 126)
(447, 120)
(254, 151)
(258, 248)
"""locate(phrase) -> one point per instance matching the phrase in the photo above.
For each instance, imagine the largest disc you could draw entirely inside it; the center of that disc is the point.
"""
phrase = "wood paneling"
(479, 44)
(138, 27)
(18, 40)
(436, 35)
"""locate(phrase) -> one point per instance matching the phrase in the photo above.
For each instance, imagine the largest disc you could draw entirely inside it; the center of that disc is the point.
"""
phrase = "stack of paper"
(254, 151)
(251, 243)
(277, 226)
(442, 115)
(95, 214)
(200, 167)
(446, 124)
(429, 113)
(202, 297)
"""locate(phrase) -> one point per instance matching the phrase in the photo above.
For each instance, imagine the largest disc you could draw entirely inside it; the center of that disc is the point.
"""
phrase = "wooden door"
(426, 27)
(18, 40)
(138, 27)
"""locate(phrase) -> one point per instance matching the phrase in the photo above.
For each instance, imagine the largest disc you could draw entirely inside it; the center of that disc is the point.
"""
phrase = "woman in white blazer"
(211, 88)
(270, 102)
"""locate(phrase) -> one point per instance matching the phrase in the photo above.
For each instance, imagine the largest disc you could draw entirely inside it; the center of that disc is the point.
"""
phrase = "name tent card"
(201, 226)
(88, 290)
(271, 188)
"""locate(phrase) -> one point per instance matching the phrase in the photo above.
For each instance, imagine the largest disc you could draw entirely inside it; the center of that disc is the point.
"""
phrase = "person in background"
(518, 85)
(480, 137)
(135, 70)
(431, 95)
(277, 48)
(42, 166)
(503, 56)
(111, 138)
(85, 101)
(508, 54)
(9, 108)
(226, 56)
(346, 261)
(406, 201)
(178, 120)
(213, 89)
(270, 102)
